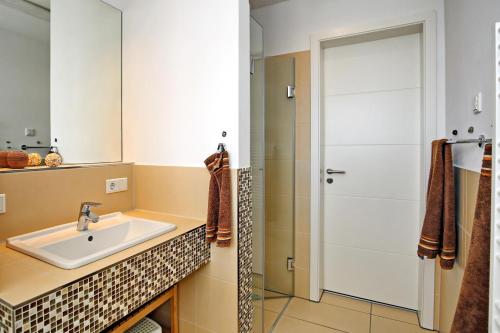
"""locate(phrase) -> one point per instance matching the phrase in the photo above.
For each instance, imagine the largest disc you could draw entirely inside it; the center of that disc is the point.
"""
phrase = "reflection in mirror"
(60, 82)
(25, 76)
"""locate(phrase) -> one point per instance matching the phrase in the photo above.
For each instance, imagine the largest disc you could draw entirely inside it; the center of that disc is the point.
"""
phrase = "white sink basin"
(65, 247)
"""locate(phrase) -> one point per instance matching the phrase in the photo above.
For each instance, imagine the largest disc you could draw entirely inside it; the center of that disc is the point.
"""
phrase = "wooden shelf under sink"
(133, 318)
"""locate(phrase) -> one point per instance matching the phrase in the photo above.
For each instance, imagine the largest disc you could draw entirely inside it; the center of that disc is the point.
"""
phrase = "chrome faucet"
(86, 216)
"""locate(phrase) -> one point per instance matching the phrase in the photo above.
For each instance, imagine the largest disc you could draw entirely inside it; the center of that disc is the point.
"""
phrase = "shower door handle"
(331, 172)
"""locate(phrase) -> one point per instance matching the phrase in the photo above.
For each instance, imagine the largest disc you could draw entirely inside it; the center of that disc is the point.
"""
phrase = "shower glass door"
(257, 146)
(280, 174)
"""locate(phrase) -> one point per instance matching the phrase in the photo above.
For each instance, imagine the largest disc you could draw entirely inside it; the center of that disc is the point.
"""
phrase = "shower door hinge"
(290, 91)
(290, 264)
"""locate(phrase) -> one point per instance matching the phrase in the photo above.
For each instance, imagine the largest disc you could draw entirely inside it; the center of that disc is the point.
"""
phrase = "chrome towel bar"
(481, 141)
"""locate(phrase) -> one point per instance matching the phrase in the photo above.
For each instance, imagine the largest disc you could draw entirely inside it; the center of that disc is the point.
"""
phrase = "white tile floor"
(335, 313)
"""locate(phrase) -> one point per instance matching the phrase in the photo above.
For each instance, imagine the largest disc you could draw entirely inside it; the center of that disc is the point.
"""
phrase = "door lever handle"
(331, 171)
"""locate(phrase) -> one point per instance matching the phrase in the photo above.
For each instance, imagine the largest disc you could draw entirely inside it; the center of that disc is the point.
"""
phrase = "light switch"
(3, 204)
(29, 132)
(478, 103)
(116, 185)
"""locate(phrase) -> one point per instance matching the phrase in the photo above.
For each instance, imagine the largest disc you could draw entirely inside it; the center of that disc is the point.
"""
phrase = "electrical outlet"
(116, 185)
(3, 204)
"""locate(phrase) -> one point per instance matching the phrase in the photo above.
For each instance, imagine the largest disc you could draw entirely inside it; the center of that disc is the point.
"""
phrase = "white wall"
(24, 78)
(186, 79)
(86, 81)
(470, 68)
(288, 25)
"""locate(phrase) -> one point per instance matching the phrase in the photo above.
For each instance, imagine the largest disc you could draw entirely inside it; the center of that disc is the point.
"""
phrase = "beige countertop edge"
(23, 278)
(63, 167)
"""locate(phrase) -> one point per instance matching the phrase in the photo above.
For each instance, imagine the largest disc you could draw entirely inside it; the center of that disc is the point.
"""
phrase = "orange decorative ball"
(3, 159)
(17, 159)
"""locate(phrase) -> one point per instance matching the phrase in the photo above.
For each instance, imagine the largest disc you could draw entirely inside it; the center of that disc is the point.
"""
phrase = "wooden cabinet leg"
(174, 311)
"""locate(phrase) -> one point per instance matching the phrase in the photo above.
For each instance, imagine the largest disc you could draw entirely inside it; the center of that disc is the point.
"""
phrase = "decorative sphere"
(34, 159)
(53, 160)
(17, 159)
(3, 159)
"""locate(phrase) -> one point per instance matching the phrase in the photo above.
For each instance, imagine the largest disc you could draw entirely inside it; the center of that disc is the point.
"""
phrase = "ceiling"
(261, 3)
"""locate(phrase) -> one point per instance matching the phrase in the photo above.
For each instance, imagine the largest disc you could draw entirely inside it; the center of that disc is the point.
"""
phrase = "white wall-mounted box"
(3, 204)
(116, 185)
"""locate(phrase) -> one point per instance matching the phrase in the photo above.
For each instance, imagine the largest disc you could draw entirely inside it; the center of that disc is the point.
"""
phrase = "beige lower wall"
(208, 299)
(37, 200)
(448, 282)
(174, 190)
(42, 199)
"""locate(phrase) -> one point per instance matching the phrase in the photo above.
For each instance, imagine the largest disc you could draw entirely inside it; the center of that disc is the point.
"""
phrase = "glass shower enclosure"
(273, 171)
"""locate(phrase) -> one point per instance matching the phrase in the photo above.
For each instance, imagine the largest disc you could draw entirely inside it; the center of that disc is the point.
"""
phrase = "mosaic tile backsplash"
(245, 307)
(98, 300)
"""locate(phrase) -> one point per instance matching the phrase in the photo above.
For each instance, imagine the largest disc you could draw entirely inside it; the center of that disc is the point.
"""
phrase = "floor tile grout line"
(399, 321)
(317, 324)
(346, 308)
(322, 325)
(276, 321)
(370, 328)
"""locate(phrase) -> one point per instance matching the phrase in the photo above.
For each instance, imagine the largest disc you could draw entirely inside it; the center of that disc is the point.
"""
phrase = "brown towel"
(219, 199)
(439, 231)
(471, 315)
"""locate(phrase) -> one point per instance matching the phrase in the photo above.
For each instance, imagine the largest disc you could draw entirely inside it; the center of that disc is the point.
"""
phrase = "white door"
(371, 125)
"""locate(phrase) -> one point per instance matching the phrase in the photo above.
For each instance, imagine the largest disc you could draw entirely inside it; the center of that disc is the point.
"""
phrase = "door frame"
(494, 311)
(431, 116)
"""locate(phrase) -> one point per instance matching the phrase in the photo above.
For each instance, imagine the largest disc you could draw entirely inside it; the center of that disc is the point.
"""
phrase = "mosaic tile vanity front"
(95, 302)
(245, 306)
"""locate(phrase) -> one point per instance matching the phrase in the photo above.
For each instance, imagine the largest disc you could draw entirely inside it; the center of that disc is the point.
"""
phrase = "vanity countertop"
(23, 277)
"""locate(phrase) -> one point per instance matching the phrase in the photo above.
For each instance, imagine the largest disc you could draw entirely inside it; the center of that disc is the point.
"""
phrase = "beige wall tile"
(186, 326)
(42, 199)
(303, 86)
(279, 245)
(472, 186)
(302, 250)
(216, 304)
(183, 191)
(461, 193)
(279, 210)
(302, 179)
(187, 299)
(174, 190)
(303, 142)
(279, 178)
(301, 282)
(223, 262)
(302, 214)
(328, 315)
(450, 281)
(278, 278)
(346, 302)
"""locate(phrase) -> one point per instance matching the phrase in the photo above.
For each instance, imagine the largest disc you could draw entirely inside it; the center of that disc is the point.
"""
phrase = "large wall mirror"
(60, 81)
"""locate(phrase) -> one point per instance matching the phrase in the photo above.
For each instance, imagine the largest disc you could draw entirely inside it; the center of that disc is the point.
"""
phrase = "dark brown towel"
(471, 315)
(439, 231)
(219, 199)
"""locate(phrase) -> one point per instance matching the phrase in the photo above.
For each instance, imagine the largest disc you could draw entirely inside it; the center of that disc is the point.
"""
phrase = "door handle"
(331, 171)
